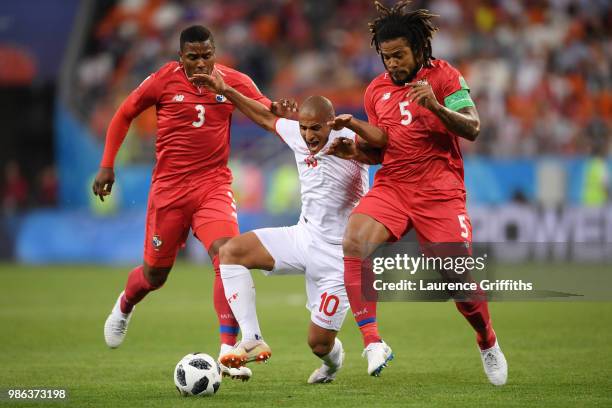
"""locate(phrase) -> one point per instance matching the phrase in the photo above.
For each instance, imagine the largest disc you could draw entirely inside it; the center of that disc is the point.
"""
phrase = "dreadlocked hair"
(397, 22)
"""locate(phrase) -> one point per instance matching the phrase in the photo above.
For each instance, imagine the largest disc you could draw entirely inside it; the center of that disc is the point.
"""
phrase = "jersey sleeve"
(146, 95)
(347, 133)
(247, 87)
(368, 103)
(289, 131)
(454, 90)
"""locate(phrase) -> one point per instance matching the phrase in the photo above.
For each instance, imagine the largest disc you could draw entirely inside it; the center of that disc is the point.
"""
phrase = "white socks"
(240, 293)
(333, 360)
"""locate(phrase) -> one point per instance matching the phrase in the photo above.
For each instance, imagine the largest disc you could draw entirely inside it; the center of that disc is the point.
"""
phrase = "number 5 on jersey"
(201, 111)
(406, 114)
(465, 231)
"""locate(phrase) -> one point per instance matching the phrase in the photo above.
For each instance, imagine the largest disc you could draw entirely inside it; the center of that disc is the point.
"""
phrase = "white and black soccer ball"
(197, 374)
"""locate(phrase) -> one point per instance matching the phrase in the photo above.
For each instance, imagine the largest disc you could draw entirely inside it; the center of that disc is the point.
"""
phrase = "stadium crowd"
(539, 70)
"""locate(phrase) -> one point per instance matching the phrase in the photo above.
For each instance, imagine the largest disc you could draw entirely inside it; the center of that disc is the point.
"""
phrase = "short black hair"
(397, 22)
(196, 33)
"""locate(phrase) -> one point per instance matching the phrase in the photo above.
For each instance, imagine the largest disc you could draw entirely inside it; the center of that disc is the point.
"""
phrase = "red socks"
(364, 311)
(228, 326)
(138, 286)
(136, 289)
(476, 313)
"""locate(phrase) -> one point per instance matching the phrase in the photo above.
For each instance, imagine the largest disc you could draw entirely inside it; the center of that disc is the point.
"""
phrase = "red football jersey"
(193, 124)
(421, 151)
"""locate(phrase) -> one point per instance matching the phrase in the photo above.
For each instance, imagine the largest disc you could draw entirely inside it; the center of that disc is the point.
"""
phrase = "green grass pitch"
(51, 318)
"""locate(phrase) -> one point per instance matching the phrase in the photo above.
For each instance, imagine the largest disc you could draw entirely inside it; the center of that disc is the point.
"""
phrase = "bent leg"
(325, 345)
(214, 235)
(363, 235)
(236, 257)
(142, 280)
(248, 251)
(443, 229)
(321, 340)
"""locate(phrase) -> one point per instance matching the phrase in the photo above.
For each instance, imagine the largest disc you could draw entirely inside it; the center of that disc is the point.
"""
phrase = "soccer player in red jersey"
(191, 183)
(423, 106)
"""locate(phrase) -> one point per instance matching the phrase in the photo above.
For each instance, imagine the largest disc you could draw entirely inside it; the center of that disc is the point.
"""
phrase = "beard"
(408, 78)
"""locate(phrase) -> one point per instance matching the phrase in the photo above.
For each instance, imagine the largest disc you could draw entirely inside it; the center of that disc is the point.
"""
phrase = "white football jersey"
(331, 187)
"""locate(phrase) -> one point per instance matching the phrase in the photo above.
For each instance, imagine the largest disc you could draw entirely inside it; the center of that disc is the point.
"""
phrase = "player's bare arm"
(254, 110)
(465, 122)
(347, 149)
(374, 136)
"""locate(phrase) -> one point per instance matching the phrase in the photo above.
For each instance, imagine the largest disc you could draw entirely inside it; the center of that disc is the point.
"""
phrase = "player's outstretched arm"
(464, 123)
(347, 149)
(254, 110)
(371, 134)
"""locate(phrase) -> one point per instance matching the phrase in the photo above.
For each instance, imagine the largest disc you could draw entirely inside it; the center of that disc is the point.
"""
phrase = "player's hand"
(103, 183)
(285, 108)
(422, 93)
(214, 82)
(340, 121)
(343, 148)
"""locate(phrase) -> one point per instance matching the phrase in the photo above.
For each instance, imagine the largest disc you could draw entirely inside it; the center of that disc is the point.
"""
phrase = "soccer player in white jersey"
(330, 189)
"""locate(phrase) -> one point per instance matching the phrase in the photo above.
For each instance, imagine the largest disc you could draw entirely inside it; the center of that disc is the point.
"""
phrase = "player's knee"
(156, 276)
(352, 245)
(232, 253)
(321, 349)
(320, 345)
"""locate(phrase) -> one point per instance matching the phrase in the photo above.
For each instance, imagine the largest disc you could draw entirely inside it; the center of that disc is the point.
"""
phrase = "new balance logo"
(386, 96)
(178, 98)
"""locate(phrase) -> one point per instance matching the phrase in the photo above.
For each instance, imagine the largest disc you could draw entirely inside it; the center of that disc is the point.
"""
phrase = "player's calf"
(142, 280)
(332, 363)
(325, 345)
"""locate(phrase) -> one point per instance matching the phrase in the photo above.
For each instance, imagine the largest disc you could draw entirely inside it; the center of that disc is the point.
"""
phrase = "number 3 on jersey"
(200, 109)
(406, 115)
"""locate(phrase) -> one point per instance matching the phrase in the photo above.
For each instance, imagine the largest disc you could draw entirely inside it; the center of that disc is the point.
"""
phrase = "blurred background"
(539, 71)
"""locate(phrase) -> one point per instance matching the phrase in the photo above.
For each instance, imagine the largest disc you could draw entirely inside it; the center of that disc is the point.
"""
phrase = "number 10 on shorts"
(329, 304)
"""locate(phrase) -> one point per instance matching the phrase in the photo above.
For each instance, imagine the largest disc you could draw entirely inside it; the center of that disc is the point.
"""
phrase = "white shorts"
(296, 250)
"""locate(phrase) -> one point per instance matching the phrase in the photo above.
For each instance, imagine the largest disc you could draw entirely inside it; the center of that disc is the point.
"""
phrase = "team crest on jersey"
(386, 96)
(220, 98)
(311, 161)
(157, 242)
(233, 297)
(178, 98)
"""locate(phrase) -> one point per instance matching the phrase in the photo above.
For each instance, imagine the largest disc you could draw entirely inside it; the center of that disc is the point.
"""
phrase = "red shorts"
(437, 216)
(209, 210)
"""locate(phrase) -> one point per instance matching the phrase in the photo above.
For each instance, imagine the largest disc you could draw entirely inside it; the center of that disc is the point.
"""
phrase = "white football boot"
(378, 354)
(116, 325)
(326, 373)
(495, 365)
(244, 352)
(240, 373)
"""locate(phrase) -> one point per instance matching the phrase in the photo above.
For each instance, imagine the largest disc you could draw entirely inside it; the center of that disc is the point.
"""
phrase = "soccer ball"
(197, 374)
